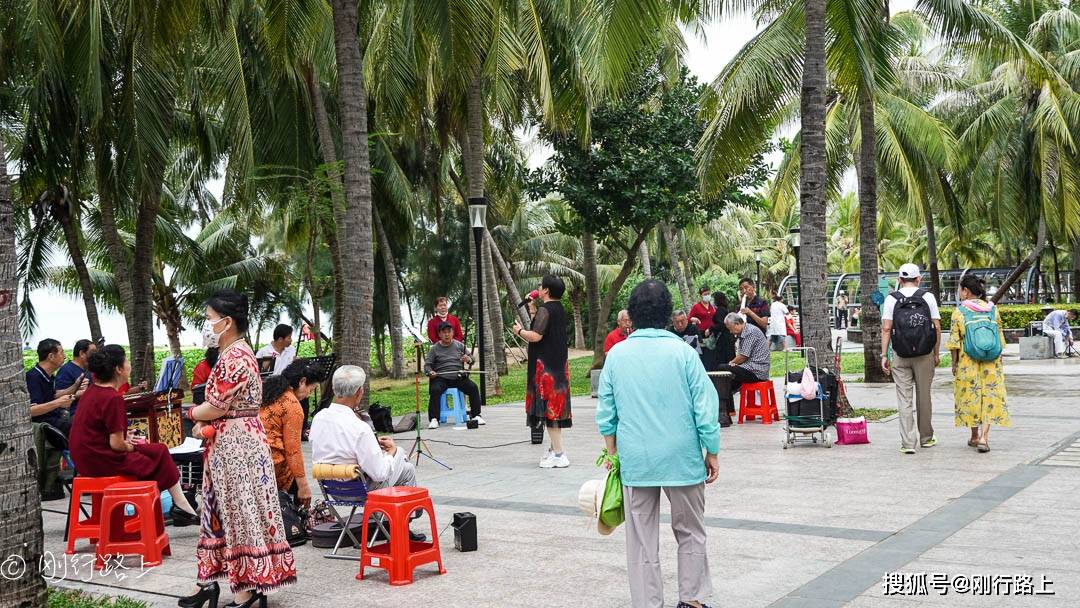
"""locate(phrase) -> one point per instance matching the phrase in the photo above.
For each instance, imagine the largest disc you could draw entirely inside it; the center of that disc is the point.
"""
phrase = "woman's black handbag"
(294, 517)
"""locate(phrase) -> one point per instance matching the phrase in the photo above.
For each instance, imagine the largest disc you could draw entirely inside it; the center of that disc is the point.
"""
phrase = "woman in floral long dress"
(242, 539)
(547, 392)
(979, 386)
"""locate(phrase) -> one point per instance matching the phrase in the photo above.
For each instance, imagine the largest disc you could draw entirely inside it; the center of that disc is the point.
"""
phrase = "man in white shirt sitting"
(339, 436)
(280, 349)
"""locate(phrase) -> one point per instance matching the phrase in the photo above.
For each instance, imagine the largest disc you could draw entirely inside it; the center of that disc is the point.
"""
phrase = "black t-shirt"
(42, 389)
(691, 335)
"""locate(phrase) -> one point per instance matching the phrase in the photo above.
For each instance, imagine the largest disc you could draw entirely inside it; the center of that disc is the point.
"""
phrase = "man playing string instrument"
(444, 367)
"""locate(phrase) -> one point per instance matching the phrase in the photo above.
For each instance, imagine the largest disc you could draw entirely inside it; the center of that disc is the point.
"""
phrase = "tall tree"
(354, 231)
(20, 528)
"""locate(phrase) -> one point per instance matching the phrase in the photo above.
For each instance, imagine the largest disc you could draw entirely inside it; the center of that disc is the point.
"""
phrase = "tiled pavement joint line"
(850, 578)
(712, 522)
(1057, 447)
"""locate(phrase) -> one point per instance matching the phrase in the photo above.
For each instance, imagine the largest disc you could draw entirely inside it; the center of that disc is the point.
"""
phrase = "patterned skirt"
(242, 538)
(547, 398)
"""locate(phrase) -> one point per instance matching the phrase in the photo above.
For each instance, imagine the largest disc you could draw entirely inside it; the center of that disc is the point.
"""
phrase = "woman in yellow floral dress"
(979, 386)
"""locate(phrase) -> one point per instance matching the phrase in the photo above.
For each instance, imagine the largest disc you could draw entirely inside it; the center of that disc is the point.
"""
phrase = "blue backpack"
(982, 335)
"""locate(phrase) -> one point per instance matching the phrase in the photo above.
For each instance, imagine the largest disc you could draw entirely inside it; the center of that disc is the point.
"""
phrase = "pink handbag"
(851, 431)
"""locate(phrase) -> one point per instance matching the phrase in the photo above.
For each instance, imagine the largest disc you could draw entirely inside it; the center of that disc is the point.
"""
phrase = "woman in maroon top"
(98, 442)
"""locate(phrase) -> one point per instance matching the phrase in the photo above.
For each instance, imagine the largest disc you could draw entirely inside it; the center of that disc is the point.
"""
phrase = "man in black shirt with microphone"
(444, 367)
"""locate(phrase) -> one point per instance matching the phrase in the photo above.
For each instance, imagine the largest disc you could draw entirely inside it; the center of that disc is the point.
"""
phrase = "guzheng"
(156, 416)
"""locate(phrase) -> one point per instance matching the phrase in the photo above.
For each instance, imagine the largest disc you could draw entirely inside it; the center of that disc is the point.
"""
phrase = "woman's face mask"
(706, 298)
(211, 339)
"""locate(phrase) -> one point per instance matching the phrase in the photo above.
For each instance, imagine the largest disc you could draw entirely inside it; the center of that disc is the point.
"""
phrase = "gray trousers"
(402, 473)
(641, 506)
(914, 373)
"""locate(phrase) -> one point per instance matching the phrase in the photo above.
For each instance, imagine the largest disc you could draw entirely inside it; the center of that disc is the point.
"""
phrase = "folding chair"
(352, 494)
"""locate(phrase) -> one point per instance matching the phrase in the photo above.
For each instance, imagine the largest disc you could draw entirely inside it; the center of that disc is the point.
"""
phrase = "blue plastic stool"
(457, 411)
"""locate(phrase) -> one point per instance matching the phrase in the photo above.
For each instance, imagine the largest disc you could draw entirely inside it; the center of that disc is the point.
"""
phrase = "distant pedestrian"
(979, 385)
(778, 312)
(661, 420)
(841, 311)
(911, 324)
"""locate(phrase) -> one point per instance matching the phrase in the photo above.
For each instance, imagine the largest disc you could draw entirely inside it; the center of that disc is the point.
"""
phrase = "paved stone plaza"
(802, 527)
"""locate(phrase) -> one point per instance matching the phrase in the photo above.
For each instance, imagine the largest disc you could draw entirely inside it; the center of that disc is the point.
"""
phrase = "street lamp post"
(477, 219)
(795, 243)
(757, 260)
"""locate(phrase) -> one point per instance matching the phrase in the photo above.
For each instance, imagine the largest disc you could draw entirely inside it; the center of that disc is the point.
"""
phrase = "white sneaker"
(434, 424)
(561, 462)
(479, 420)
(548, 461)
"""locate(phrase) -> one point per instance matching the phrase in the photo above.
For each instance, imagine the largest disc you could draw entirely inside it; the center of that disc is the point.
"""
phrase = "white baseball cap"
(909, 271)
(590, 497)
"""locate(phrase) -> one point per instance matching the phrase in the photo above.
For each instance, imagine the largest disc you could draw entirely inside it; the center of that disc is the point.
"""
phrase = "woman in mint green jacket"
(658, 411)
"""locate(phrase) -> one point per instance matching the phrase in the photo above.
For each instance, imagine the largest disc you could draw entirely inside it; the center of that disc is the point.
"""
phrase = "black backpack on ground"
(381, 418)
(913, 332)
(294, 517)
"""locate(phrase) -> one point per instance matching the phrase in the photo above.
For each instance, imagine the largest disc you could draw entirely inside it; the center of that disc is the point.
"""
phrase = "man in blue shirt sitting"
(1056, 326)
(74, 372)
(46, 403)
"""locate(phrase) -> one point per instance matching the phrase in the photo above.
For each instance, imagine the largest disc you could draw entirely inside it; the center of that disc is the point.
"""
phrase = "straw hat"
(590, 497)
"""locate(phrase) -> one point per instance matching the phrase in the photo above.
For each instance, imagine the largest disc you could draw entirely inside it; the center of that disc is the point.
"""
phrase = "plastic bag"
(851, 431)
(611, 509)
(808, 388)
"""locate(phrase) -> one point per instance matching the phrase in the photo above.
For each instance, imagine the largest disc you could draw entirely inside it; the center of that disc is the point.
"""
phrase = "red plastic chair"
(758, 399)
(148, 539)
(400, 556)
(90, 527)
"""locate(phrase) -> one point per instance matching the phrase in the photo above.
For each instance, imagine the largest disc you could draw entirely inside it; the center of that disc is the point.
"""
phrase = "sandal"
(983, 447)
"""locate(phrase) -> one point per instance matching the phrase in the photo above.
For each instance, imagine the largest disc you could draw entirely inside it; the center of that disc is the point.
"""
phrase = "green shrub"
(1013, 316)
(67, 598)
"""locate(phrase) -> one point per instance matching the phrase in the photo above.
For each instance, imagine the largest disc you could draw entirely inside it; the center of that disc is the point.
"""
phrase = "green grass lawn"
(65, 598)
(873, 414)
(850, 363)
(400, 395)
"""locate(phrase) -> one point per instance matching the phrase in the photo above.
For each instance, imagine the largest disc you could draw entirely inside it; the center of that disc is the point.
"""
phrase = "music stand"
(419, 446)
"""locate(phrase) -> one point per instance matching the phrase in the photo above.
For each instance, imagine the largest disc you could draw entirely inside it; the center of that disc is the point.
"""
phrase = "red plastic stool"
(400, 556)
(90, 527)
(149, 539)
(758, 399)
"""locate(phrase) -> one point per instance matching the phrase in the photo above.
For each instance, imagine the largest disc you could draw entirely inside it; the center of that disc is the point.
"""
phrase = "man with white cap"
(911, 323)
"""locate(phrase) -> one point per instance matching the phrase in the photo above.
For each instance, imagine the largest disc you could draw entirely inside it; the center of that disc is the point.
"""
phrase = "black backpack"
(913, 332)
(294, 517)
(381, 418)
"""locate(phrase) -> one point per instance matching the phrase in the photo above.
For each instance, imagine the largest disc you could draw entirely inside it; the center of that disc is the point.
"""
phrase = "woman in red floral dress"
(242, 538)
(547, 393)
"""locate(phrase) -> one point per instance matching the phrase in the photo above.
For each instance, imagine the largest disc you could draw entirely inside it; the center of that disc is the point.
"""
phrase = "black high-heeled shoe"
(255, 597)
(207, 593)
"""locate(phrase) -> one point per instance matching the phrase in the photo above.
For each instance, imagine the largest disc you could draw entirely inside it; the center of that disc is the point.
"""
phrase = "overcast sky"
(64, 318)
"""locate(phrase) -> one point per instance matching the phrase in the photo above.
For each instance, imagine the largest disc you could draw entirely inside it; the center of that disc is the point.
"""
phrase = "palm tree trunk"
(676, 269)
(354, 241)
(1057, 271)
(577, 300)
(498, 335)
(646, 262)
(931, 249)
(814, 312)
(513, 296)
(330, 160)
(870, 316)
(592, 294)
(474, 171)
(74, 245)
(1022, 267)
(680, 250)
(21, 537)
(393, 298)
(613, 291)
(1076, 271)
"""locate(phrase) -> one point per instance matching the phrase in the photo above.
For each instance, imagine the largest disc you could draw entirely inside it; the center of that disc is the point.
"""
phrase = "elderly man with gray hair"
(752, 357)
(340, 436)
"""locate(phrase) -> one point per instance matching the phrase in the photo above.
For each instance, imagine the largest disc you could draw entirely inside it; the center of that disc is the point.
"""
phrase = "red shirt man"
(442, 313)
(621, 331)
(702, 312)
